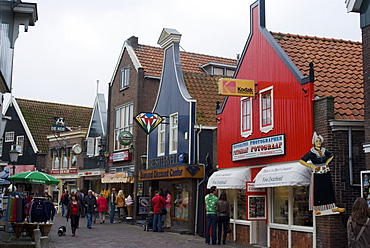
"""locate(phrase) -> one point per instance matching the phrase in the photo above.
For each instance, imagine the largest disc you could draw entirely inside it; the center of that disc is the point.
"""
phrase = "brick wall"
(278, 238)
(302, 239)
(331, 229)
(242, 234)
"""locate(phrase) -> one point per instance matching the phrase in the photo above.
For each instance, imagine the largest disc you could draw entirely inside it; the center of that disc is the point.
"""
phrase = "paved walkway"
(121, 235)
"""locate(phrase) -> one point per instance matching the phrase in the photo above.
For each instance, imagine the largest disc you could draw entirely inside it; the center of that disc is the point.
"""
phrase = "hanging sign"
(148, 121)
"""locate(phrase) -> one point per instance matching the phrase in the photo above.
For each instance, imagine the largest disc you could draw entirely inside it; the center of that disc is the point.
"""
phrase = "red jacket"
(102, 204)
(158, 203)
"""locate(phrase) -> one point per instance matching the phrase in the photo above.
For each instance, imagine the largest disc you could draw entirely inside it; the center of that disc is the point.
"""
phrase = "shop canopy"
(232, 178)
(287, 174)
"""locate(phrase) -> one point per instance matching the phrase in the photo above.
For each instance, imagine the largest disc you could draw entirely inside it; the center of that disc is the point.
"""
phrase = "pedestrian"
(322, 197)
(90, 204)
(102, 207)
(48, 197)
(81, 197)
(167, 206)
(158, 202)
(65, 201)
(74, 211)
(120, 204)
(358, 225)
(211, 215)
(223, 217)
(61, 203)
(95, 214)
(112, 204)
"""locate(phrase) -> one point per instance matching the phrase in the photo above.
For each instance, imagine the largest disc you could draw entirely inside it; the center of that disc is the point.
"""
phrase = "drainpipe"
(350, 157)
(199, 183)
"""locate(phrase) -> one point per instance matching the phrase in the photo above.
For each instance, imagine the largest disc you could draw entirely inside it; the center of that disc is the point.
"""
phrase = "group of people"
(76, 205)
(161, 203)
(217, 216)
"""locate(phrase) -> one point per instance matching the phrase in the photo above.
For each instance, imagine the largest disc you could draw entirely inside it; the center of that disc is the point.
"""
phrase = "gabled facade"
(95, 159)
(133, 90)
(303, 84)
(28, 129)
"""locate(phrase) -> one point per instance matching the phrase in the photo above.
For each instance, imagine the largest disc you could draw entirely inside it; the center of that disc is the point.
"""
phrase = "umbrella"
(33, 177)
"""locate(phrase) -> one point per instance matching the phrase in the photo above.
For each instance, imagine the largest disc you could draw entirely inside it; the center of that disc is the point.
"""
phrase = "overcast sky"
(77, 42)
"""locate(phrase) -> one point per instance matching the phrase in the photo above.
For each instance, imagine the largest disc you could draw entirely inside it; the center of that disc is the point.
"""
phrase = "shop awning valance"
(119, 177)
(287, 174)
(232, 178)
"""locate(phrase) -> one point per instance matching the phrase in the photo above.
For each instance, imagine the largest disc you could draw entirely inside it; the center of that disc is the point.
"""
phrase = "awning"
(119, 177)
(20, 168)
(232, 178)
(287, 174)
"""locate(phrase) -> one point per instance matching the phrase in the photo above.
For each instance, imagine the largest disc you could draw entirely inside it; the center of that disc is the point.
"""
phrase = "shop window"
(295, 198)
(181, 201)
(246, 117)
(266, 110)
(125, 78)
(173, 133)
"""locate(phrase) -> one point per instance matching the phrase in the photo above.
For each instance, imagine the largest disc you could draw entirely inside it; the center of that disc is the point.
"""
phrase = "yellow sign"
(236, 87)
(184, 171)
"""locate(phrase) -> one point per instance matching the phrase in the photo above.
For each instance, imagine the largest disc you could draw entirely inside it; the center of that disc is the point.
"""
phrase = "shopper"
(358, 225)
(120, 204)
(167, 206)
(223, 217)
(64, 202)
(158, 202)
(102, 207)
(47, 196)
(112, 204)
(90, 204)
(74, 211)
(211, 215)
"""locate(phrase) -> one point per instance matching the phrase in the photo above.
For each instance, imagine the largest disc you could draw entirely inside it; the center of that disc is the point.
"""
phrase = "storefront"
(91, 179)
(181, 181)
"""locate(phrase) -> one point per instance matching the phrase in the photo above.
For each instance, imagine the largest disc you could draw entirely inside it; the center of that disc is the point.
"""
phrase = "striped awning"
(118, 177)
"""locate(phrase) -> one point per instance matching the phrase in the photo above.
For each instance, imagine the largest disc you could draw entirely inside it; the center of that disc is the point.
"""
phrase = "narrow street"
(122, 235)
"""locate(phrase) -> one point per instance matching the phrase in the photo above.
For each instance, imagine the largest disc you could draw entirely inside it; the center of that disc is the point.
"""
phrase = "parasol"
(33, 177)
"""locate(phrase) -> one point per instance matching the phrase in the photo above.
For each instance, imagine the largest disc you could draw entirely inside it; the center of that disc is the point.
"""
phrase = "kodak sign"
(235, 87)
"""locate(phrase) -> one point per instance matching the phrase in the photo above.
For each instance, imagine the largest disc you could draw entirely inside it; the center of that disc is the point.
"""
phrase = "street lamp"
(13, 156)
(143, 159)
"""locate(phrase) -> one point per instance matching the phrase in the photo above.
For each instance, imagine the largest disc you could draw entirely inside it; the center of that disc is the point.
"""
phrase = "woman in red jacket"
(102, 207)
(74, 211)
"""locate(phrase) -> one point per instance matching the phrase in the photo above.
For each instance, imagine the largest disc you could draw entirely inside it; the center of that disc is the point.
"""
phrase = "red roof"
(338, 70)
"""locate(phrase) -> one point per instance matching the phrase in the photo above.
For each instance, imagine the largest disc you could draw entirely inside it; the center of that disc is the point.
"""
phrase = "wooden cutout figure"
(322, 196)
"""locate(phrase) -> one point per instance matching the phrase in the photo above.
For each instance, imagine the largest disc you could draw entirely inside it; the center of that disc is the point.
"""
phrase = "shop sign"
(187, 171)
(164, 161)
(90, 173)
(257, 148)
(125, 138)
(256, 202)
(121, 156)
(64, 171)
(236, 87)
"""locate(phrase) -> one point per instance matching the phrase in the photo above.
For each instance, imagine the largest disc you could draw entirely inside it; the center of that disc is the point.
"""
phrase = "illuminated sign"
(186, 171)
(236, 87)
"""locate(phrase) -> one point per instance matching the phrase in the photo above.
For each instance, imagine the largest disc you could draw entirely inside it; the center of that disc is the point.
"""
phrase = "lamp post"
(143, 159)
(13, 156)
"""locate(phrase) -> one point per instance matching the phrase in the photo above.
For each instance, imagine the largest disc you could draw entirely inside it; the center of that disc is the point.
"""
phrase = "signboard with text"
(256, 202)
(257, 148)
(236, 87)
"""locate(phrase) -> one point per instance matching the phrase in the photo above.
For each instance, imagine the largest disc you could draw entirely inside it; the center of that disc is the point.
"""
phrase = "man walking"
(112, 204)
(90, 204)
(211, 214)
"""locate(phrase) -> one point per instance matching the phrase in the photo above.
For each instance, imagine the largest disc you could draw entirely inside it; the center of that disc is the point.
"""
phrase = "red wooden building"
(302, 86)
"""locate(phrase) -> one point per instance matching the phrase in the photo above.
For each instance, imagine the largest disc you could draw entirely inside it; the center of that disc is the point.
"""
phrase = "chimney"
(134, 41)
(168, 37)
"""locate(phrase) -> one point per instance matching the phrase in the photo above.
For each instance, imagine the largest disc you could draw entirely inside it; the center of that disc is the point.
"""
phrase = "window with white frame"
(123, 122)
(173, 133)
(246, 116)
(20, 144)
(9, 136)
(161, 138)
(73, 161)
(56, 162)
(125, 78)
(266, 110)
(97, 146)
